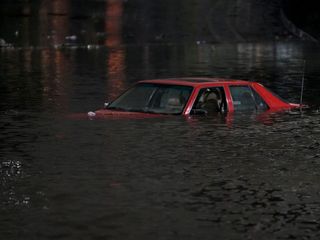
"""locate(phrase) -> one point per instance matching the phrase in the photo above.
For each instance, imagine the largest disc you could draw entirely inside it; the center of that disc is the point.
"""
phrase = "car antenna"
(302, 84)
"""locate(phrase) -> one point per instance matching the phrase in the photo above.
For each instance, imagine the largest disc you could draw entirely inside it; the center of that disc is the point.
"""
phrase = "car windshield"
(153, 98)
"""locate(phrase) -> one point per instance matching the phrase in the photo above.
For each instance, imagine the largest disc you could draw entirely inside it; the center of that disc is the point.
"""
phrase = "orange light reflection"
(116, 57)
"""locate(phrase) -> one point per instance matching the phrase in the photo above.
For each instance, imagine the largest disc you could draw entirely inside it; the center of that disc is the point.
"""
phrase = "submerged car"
(193, 96)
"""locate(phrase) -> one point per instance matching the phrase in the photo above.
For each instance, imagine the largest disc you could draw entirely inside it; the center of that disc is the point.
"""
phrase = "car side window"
(246, 99)
(260, 103)
(210, 101)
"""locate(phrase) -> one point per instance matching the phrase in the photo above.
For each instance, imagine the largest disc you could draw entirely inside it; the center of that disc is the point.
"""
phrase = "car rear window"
(246, 99)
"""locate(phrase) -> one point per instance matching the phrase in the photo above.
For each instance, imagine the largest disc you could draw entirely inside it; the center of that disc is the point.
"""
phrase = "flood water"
(161, 178)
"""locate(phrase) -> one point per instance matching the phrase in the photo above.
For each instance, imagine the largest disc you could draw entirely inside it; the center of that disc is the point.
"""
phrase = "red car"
(192, 96)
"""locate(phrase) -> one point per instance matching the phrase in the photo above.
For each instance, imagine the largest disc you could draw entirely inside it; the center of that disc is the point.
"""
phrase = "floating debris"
(91, 114)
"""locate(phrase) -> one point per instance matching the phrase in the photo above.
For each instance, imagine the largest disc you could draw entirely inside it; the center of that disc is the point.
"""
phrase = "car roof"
(195, 81)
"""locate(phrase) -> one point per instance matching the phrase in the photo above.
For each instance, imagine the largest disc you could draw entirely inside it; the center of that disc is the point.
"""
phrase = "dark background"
(162, 21)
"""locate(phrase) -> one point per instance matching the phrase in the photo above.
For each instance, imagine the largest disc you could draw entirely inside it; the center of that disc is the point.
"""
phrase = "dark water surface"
(163, 178)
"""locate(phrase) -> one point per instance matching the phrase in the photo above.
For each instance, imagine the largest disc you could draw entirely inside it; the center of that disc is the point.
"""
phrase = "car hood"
(107, 113)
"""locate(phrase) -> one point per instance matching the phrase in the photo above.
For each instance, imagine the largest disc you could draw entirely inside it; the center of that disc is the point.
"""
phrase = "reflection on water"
(116, 58)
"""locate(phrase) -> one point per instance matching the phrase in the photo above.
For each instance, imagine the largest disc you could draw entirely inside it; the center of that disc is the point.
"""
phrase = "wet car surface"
(193, 96)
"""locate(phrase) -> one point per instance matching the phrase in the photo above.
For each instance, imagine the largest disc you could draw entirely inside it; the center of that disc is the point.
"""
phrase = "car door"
(209, 101)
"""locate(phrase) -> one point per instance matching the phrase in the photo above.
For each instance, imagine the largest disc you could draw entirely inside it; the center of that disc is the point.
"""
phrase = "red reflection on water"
(113, 26)
(54, 21)
(55, 79)
(116, 75)
(116, 57)
(60, 21)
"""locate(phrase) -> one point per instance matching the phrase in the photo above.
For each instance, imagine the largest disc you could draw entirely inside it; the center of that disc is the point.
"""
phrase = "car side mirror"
(199, 112)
